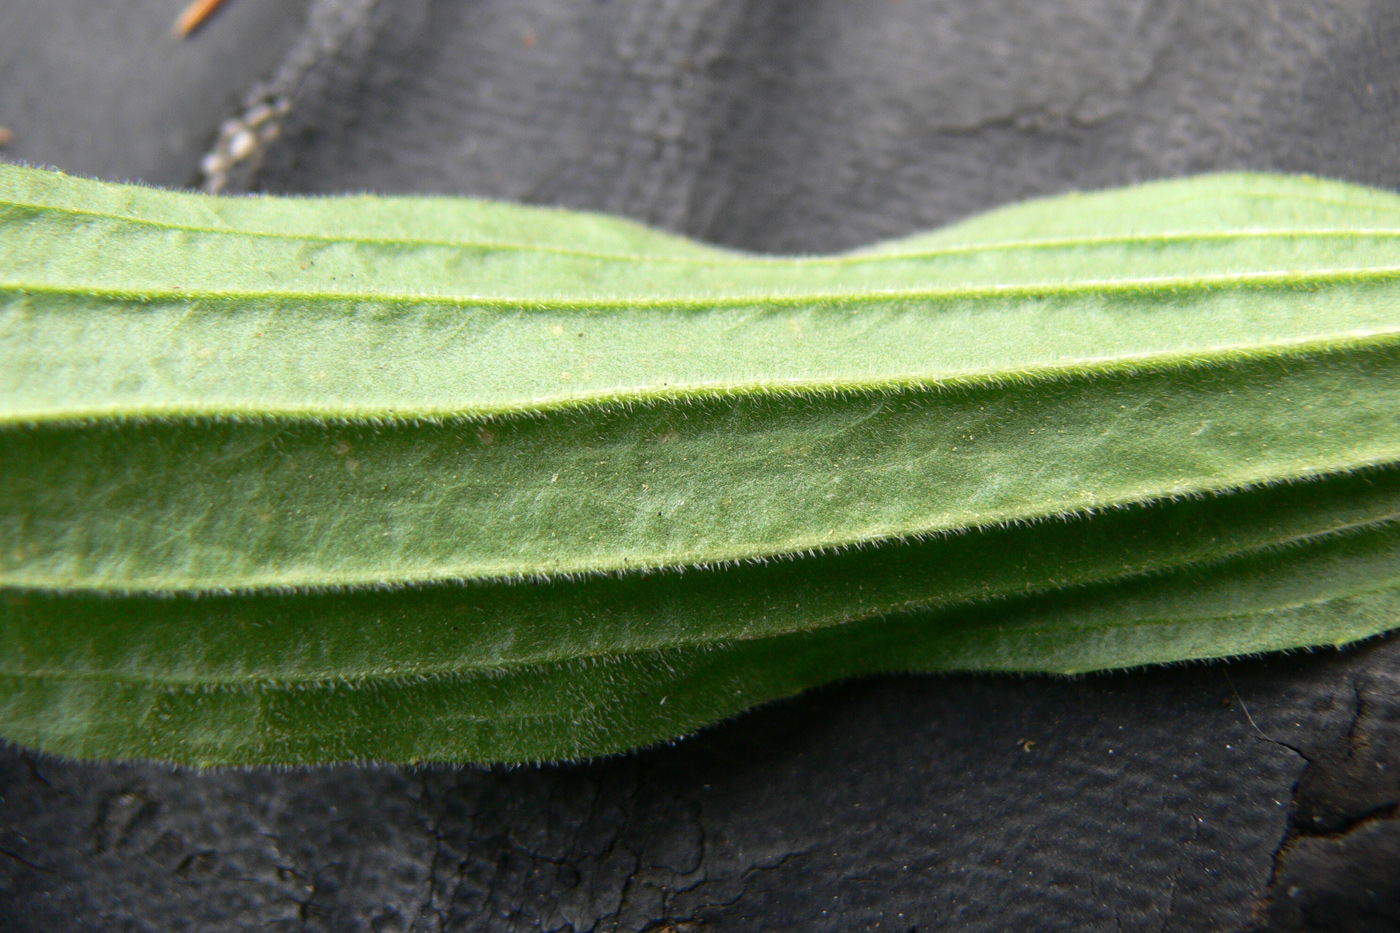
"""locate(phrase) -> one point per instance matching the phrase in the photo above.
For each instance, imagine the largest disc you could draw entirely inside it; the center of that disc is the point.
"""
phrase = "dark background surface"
(1259, 795)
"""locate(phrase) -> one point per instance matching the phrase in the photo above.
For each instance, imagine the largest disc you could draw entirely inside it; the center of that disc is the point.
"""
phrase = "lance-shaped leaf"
(270, 466)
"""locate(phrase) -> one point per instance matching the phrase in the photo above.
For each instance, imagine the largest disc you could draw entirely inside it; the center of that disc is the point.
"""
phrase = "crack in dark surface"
(24, 861)
(1346, 801)
(430, 895)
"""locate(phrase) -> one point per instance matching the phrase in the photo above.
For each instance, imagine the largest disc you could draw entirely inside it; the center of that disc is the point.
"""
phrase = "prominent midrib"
(1147, 287)
(734, 605)
(611, 526)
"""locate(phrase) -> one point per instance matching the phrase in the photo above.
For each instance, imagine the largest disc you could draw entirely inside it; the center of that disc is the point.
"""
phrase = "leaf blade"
(271, 465)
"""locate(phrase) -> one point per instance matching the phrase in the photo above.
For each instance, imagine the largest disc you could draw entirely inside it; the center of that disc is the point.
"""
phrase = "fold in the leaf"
(1329, 591)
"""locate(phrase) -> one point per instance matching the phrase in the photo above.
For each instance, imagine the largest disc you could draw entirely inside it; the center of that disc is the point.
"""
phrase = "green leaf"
(303, 480)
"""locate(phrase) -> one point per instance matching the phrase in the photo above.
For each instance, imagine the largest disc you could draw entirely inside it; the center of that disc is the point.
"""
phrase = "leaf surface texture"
(295, 480)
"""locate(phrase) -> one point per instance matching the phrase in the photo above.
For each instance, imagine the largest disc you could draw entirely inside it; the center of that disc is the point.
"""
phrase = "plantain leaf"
(292, 480)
